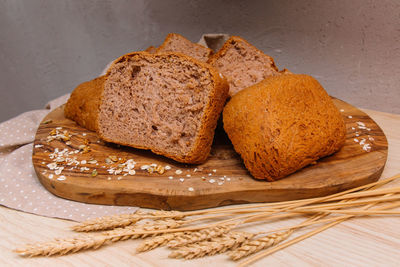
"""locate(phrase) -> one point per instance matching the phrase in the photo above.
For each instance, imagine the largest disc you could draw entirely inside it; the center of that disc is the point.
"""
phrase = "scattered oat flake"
(367, 147)
(109, 178)
(228, 179)
(132, 172)
(167, 167)
(178, 172)
(195, 170)
(371, 138)
(52, 165)
(211, 181)
(170, 177)
(83, 162)
(353, 128)
(59, 128)
(209, 174)
(38, 146)
(144, 167)
(360, 123)
(188, 175)
(220, 183)
(51, 176)
(356, 140)
(191, 189)
(214, 170)
(362, 142)
(350, 117)
(182, 179)
(119, 178)
(84, 134)
(62, 178)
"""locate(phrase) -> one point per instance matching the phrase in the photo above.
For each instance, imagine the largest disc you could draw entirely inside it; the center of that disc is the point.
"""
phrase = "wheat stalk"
(212, 247)
(193, 237)
(252, 246)
(309, 234)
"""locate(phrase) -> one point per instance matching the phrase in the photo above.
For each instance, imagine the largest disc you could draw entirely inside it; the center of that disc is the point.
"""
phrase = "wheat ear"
(108, 222)
(252, 246)
(193, 237)
(212, 247)
(92, 241)
(158, 241)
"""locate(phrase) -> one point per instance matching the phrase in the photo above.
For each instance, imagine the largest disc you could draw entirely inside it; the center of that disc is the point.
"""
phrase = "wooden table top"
(369, 241)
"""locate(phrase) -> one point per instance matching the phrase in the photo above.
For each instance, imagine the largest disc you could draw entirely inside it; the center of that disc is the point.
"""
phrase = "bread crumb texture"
(283, 124)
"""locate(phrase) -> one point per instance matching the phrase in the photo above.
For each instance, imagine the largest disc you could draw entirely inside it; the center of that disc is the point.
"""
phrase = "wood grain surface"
(357, 242)
(222, 180)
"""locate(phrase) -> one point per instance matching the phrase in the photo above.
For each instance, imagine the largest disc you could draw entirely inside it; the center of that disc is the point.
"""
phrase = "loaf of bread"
(166, 102)
(83, 104)
(177, 43)
(242, 64)
(283, 124)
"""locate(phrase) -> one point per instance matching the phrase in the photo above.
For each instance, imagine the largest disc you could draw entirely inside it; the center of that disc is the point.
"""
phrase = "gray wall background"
(49, 47)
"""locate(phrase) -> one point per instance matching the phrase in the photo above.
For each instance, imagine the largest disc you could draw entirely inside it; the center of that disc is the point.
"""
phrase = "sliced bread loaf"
(168, 103)
(242, 64)
(282, 124)
(83, 104)
(177, 43)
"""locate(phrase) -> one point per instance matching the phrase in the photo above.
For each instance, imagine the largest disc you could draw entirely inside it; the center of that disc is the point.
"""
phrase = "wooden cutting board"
(222, 180)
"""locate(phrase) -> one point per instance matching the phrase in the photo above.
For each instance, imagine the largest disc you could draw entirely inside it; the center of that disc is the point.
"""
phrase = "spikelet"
(252, 246)
(193, 237)
(214, 246)
(108, 222)
(157, 241)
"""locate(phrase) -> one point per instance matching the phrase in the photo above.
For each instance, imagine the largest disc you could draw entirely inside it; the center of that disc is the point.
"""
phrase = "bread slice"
(83, 104)
(177, 43)
(168, 103)
(282, 124)
(242, 64)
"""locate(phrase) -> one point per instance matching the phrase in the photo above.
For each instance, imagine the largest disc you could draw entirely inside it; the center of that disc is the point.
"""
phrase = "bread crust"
(163, 48)
(283, 124)
(83, 104)
(151, 49)
(212, 110)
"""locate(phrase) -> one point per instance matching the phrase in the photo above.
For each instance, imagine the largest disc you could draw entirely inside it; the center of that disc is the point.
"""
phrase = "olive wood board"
(221, 180)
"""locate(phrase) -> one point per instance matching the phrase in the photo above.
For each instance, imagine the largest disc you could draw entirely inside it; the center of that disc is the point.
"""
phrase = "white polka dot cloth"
(20, 189)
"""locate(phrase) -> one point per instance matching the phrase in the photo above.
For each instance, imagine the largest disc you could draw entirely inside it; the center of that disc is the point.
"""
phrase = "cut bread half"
(242, 64)
(177, 43)
(167, 102)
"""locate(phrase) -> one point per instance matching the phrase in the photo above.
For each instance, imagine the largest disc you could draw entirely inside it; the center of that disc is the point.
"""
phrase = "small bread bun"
(283, 124)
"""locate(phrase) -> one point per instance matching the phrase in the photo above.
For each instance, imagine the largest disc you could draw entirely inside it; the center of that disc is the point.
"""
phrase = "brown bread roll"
(283, 124)
(83, 104)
